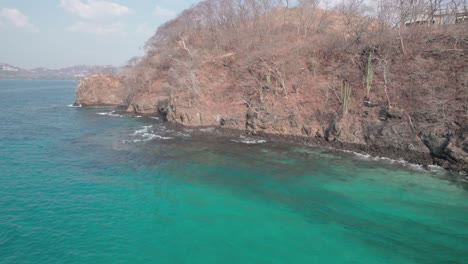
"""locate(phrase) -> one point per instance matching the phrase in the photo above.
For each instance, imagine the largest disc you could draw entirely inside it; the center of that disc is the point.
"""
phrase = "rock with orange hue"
(101, 89)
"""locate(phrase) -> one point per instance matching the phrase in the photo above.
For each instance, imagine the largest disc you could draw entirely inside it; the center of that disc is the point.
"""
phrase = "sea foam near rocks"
(250, 141)
(401, 162)
(113, 114)
(148, 133)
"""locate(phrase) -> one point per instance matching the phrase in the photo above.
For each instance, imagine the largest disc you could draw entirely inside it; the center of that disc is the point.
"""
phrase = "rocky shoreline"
(425, 157)
(384, 92)
(372, 129)
(390, 153)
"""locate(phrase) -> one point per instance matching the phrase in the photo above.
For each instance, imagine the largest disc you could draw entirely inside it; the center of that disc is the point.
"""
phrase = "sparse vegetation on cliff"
(292, 69)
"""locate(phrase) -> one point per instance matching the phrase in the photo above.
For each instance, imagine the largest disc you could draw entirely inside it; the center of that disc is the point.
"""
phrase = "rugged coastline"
(424, 159)
(397, 140)
(376, 152)
(343, 79)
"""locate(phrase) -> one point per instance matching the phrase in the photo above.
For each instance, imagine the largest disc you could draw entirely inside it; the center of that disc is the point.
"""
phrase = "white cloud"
(163, 12)
(89, 9)
(17, 19)
(97, 29)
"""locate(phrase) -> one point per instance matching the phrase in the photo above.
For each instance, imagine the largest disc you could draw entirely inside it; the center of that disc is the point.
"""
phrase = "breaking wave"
(150, 133)
(360, 155)
(113, 114)
(146, 133)
(401, 162)
(249, 141)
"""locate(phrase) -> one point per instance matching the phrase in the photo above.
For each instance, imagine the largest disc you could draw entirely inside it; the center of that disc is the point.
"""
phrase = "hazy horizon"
(62, 33)
(58, 68)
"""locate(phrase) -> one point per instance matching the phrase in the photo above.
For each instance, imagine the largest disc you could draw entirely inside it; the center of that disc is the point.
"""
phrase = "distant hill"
(8, 71)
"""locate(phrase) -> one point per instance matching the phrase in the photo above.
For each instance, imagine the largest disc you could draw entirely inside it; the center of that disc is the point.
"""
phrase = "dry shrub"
(273, 52)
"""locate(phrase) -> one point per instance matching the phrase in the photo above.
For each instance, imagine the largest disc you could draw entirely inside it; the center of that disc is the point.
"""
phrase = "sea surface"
(89, 185)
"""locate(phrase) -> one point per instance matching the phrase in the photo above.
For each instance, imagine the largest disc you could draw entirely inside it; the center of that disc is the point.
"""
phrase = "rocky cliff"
(101, 89)
(341, 79)
(375, 129)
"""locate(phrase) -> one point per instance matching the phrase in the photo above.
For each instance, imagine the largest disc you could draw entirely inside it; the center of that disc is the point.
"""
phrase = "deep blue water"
(84, 185)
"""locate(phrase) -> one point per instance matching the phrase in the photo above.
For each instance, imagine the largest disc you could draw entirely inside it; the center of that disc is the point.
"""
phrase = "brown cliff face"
(385, 92)
(101, 89)
(374, 129)
(396, 137)
(219, 100)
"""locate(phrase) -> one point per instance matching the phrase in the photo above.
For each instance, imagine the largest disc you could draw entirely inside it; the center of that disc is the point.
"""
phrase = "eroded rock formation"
(101, 89)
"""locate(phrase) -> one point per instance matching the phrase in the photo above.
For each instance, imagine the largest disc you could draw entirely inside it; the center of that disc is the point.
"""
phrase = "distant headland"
(8, 71)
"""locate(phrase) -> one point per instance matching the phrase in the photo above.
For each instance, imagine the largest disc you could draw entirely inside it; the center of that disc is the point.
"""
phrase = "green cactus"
(370, 74)
(312, 65)
(268, 79)
(411, 86)
(260, 92)
(345, 96)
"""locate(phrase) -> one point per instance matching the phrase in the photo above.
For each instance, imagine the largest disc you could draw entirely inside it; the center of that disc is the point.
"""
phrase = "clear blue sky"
(59, 33)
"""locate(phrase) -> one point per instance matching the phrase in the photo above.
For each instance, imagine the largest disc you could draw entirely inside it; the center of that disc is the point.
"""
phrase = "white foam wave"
(435, 168)
(145, 134)
(183, 135)
(360, 155)
(74, 106)
(113, 114)
(249, 141)
(142, 130)
(402, 162)
(161, 137)
(414, 166)
(207, 130)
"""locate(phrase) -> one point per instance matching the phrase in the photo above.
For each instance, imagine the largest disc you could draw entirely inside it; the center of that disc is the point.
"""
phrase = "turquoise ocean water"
(89, 186)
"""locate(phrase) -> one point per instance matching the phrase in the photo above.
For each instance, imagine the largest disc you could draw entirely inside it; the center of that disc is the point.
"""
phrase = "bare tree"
(356, 23)
(308, 16)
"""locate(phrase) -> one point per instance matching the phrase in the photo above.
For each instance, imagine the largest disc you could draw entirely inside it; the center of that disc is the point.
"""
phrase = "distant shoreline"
(72, 80)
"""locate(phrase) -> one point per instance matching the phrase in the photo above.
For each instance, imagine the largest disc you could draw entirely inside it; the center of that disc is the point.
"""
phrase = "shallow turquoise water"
(82, 186)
